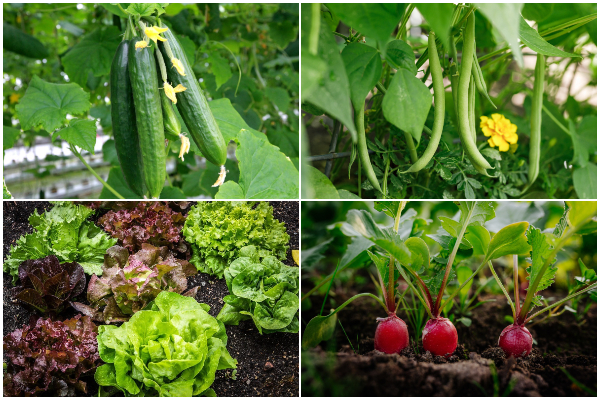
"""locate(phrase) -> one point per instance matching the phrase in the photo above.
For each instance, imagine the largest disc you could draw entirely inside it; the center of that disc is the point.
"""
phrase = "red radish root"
(391, 335)
(516, 341)
(440, 337)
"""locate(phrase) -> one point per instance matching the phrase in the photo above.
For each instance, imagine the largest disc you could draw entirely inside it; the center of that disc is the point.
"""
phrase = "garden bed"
(334, 368)
(267, 364)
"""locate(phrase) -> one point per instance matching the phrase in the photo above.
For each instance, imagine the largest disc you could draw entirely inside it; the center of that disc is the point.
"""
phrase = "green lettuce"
(64, 232)
(173, 349)
(217, 230)
(266, 291)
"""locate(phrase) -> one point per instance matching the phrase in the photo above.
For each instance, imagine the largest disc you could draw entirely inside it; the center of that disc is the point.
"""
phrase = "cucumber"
(193, 107)
(170, 120)
(148, 115)
(123, 121)
(21, 43)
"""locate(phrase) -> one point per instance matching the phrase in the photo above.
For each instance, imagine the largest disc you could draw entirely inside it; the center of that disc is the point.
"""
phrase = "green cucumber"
(123, 121)
(149, 117)
(19, 42)
(194, 108)
(170, 120)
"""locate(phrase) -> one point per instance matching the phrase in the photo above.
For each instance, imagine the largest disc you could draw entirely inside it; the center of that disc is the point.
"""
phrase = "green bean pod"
(440, 106)
(536, 119)
(466, 137)
(472, 109)
(479, 81)
(363, 151)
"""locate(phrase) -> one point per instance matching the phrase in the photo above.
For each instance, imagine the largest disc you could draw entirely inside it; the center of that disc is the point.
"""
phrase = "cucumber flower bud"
(185, 146)
(142, 44)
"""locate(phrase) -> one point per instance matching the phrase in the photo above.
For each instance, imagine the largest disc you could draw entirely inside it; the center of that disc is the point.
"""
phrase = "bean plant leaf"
(361, 222)
(505, 17)
(94, 53)
(265, 172)
(318, 329)
(319, 186)
(537, 11)
(509, 240)
(363, 66)
(407, 103)
(399, 54)
(81, 133)
(375, 20)
(439, 17)
(332, 93)
(535, 42)
(540, 253)
(47, 104)
(312, 72)
(585, 181)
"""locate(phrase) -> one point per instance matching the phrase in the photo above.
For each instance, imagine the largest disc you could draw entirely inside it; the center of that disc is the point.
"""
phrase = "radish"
(391, 335)
(516, 341)
(440, 337)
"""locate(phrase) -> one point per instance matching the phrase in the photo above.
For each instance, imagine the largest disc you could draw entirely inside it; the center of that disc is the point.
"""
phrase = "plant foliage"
(50, 357)
(129, 283)
(146, 222)
(266, 291)
(172, 349)
(217, 231)
(64, 232)
(46, 285)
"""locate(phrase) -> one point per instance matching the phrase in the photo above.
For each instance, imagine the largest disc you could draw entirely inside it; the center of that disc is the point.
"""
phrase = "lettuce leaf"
(265, 291)
(64, 232)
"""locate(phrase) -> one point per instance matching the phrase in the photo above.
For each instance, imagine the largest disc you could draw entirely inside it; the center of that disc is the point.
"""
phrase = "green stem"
(102, 181)
(556, 121)
(390, 289)
(463, 229)
(512, 306)
(313, 39)
(457, 291)
(517, 309)
(411, 147)
(351, 299)
(402, 28)
(423, 301)
(161, 64)
(586, 289)
(381, 88)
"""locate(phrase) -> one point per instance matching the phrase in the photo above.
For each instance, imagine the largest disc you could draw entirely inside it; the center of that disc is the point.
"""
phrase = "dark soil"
(268, 365)
(334, 368)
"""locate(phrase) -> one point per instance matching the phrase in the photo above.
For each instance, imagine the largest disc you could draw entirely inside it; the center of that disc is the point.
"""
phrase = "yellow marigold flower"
(142, 44)
(178, 66)
(185, 146)
(153, 33)
(14, 97)
(170, 92)
(179, 88)
(500, 130)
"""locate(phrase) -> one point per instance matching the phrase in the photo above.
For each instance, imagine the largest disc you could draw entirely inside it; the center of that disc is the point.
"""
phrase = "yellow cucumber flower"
(179, 88)
(221, 178)
(178, 66)
(185, 146)
(142, 44)
(170, 92)
(153, 33)
(500, 130)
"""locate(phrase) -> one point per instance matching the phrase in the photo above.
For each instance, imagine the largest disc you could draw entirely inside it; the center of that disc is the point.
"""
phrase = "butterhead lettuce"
(173, 349)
